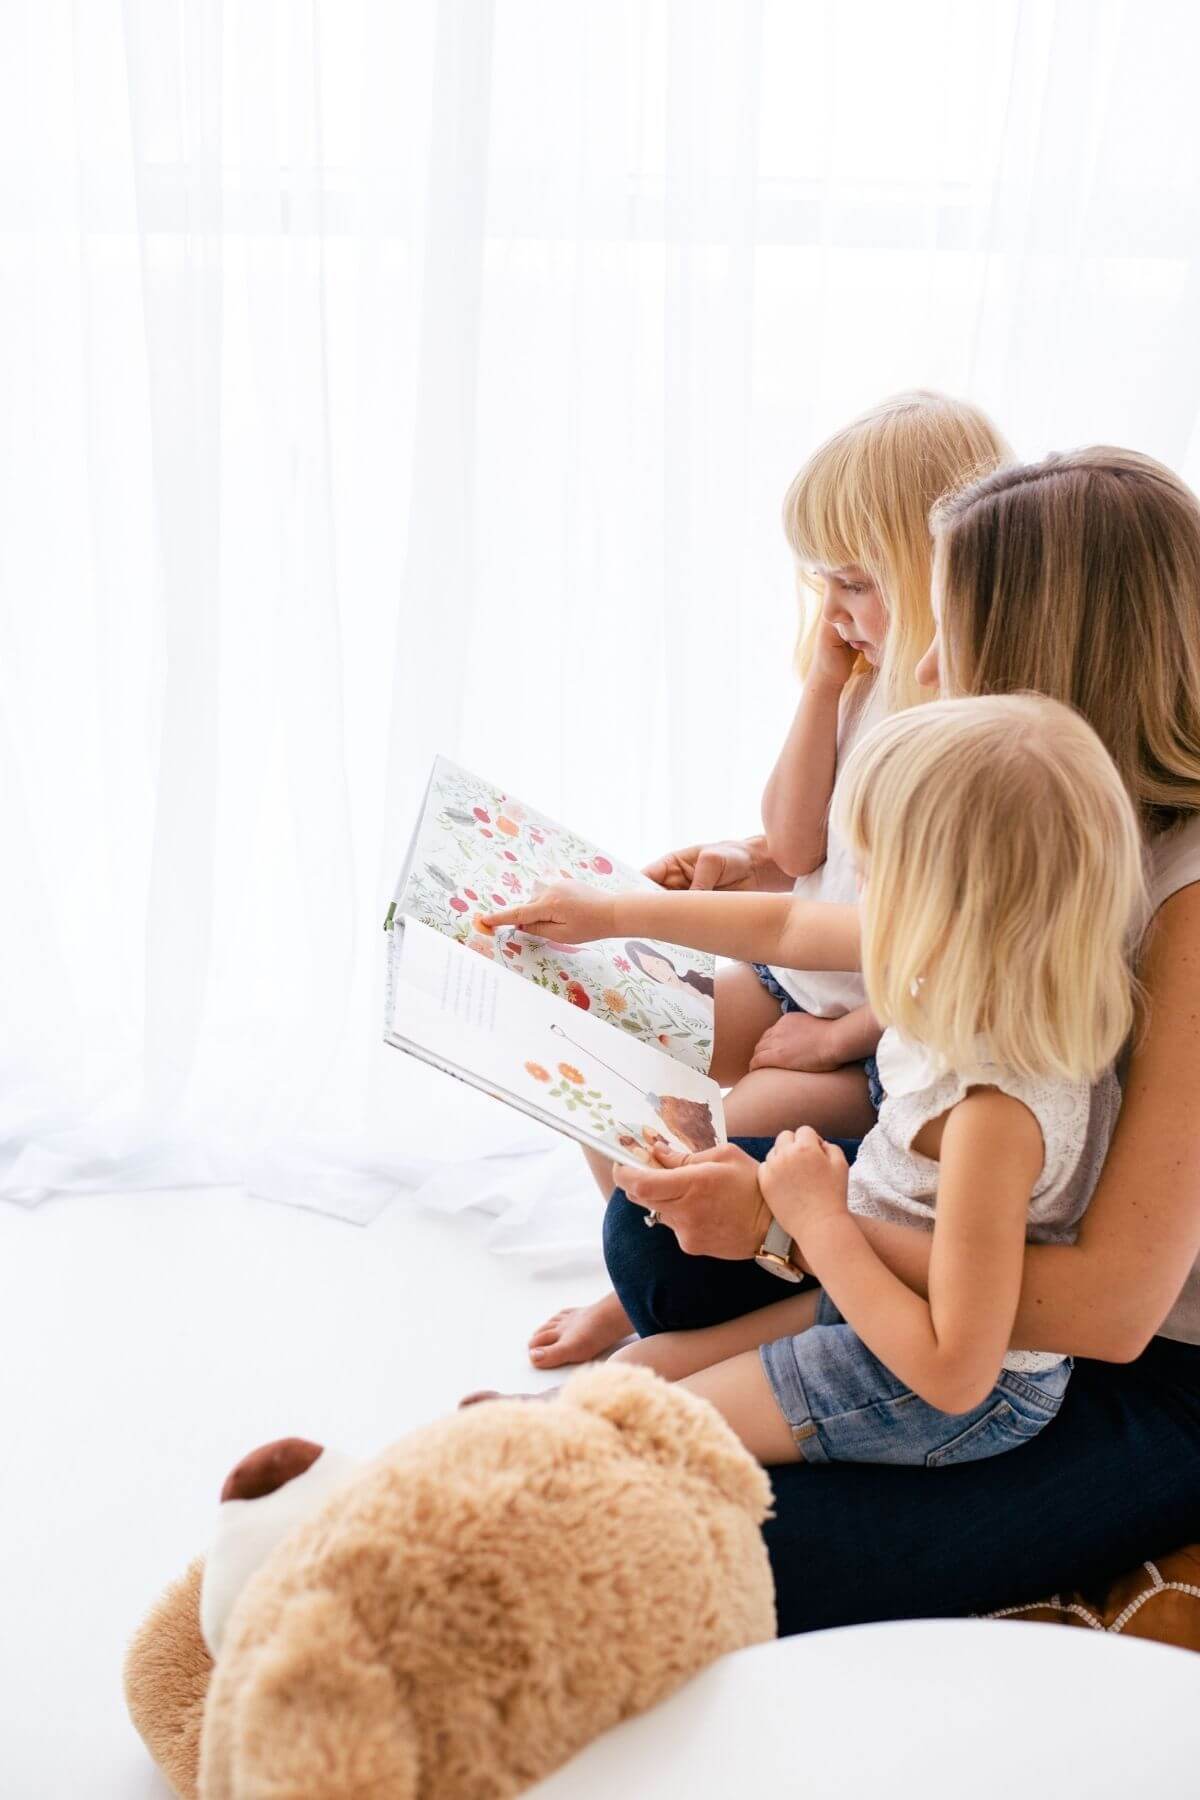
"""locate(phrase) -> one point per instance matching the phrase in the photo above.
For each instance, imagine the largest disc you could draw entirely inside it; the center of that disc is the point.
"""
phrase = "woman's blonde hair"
(1003, 884)
(1079, 577)
(864, 497)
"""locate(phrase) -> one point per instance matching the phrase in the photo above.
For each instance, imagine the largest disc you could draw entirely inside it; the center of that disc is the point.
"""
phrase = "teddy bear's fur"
(473, 1607)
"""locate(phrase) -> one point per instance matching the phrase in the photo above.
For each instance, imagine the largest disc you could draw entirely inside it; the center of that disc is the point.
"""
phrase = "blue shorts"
(843, 1405)
(778, 992)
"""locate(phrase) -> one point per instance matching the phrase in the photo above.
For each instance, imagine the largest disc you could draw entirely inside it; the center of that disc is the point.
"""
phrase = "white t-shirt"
(890, 1180)
(1175, 863)
(830, 994)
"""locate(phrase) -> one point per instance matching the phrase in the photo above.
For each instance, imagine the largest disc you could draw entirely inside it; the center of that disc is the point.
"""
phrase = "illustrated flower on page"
(614, 1001)
(577, 994)
(507, 827)
(537, 1071)
(571, 1073)
(619, 962)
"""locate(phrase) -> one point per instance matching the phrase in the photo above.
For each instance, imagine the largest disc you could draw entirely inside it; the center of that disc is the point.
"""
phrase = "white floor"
(146, 1342)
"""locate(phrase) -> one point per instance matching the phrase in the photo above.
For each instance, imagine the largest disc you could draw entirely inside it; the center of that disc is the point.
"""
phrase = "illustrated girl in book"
(651, 961)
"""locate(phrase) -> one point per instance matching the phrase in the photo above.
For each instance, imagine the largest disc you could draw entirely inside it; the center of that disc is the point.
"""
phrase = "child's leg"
(741, 1393)
(744, 1010)
(767, 1101)
(678, 1354)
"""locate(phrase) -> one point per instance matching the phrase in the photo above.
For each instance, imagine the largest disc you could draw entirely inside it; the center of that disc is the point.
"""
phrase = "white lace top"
(891, 1180)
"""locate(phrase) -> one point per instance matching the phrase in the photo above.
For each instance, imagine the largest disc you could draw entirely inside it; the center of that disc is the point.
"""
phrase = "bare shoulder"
(986, 1127)
(1173, 940)
(1168, 1036)
(996, 1128)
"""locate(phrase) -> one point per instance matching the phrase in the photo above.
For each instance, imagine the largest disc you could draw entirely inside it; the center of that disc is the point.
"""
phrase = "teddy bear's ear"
(167, 1672)
(314, 1718)
(660, 1420)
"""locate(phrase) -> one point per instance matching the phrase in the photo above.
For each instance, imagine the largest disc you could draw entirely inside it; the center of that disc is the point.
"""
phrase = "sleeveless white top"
(1174, 863)
(890, 1180)
(830, 994)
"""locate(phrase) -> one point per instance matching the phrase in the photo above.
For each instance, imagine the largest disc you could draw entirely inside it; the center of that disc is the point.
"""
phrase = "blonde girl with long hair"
(1001, 868)
(797, 1046)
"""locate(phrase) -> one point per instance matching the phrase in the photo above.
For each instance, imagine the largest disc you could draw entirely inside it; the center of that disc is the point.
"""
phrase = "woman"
(1079, 578)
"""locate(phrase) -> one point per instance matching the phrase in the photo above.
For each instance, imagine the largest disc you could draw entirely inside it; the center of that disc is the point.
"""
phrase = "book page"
(478, 849)
(516, 1041)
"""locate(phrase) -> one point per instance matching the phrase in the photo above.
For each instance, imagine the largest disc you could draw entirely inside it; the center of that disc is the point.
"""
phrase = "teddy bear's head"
(461, 1615)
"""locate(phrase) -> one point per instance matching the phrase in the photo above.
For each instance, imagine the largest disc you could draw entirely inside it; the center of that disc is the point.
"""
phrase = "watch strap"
(777, 1242)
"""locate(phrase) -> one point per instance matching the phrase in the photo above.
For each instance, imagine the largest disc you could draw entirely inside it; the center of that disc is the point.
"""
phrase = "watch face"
(778, 1265)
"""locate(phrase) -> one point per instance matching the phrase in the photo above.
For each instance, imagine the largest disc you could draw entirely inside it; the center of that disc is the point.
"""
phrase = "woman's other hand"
(731, 865)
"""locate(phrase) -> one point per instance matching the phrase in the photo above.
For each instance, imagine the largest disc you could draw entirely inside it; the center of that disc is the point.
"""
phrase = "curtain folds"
(381, 379)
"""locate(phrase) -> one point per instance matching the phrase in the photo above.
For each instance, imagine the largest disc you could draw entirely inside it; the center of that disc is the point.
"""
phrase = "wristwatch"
(775, 1254)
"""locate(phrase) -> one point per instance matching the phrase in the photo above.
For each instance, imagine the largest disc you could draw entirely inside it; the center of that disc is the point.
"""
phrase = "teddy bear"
(458, 1617)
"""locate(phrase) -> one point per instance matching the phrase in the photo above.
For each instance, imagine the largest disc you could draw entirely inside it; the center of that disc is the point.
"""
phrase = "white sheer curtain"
(383, 378)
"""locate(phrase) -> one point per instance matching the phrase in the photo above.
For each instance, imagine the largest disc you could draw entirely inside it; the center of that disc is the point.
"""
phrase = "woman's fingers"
(673, 870)
(649, 1187)
(710, 867)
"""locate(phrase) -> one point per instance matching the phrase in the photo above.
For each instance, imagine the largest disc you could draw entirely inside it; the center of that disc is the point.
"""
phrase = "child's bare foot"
(578, 1333)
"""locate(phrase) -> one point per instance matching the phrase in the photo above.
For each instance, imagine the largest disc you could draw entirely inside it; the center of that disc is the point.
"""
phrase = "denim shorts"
(778, 992)
(843, 1405)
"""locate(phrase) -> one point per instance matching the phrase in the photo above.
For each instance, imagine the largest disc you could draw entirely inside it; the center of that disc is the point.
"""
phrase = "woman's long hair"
(1079, 577)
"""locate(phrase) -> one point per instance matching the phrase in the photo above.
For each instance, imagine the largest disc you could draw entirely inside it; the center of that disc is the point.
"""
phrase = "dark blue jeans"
(1115, 1478)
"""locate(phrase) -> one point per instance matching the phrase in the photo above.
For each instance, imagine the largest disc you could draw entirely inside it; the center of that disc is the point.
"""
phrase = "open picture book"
(608, 1042)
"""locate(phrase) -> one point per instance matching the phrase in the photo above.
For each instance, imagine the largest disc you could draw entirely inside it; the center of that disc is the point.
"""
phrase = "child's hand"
(833, 659)
(804, 1180)
(570, 912)
(799, 1041)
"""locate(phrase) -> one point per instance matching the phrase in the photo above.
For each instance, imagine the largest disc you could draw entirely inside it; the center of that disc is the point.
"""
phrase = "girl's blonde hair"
(1003, 883)
(864, 497)
(1079, 577)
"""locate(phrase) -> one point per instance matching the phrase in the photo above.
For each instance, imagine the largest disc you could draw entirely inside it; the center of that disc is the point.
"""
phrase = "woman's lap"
(1115, 1478)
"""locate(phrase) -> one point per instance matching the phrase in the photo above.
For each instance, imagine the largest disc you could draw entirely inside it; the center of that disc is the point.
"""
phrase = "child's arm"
(795, 806)
(950, 1347)
(771, 928)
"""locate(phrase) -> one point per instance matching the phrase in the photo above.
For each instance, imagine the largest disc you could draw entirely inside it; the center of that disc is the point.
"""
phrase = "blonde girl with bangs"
(797, 1046)
(1000, 862)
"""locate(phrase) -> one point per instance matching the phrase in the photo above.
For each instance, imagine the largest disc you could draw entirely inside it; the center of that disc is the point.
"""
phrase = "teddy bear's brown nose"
(270, 1467)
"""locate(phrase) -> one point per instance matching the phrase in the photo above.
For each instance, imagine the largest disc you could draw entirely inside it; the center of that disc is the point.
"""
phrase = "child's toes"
(551, 1331)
